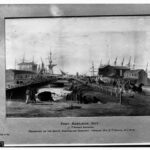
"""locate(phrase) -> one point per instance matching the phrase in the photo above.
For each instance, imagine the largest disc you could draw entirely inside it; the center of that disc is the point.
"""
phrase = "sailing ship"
(30, 73)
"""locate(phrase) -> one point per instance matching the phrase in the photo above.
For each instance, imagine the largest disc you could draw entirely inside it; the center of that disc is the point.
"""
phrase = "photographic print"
(77, 66)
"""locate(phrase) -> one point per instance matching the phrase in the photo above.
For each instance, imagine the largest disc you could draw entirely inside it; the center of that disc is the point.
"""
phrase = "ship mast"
(115, 62)
(92, 70)
(42, 70)
(51, 65)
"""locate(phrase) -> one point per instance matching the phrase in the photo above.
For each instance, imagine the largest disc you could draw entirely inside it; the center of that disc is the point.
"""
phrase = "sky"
(77, 42)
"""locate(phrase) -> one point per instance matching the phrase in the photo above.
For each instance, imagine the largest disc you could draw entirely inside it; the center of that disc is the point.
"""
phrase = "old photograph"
(77, 66)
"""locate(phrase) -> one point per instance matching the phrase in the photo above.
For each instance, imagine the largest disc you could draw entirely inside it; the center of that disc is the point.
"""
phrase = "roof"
(115, 67)
(103, 66)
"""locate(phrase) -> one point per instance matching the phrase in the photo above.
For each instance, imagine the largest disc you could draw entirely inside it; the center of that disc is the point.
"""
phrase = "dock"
(34, 82)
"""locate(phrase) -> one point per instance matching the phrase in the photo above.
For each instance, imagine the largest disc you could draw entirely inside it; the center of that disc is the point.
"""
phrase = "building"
(28, 66)
(138, 76)
(112, 71)
(18, 76)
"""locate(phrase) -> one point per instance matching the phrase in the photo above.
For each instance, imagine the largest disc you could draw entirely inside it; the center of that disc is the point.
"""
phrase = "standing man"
(33, 95)
(28, 94)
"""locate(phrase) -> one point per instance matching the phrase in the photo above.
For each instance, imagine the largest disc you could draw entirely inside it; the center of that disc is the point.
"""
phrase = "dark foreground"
(138, 106)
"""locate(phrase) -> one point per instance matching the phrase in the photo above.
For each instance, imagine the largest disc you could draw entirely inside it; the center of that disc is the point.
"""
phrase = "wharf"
(33, 82)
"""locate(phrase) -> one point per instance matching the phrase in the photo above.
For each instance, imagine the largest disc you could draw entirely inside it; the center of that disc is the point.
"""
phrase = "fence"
(109, 90)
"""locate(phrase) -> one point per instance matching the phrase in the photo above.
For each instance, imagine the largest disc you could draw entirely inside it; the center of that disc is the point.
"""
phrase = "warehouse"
(138, 76)
(112, 71)
(18, 76)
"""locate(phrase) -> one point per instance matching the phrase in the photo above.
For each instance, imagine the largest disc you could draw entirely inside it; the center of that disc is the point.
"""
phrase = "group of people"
(123, 86)
(80, 93)
(31, 95)
(128, 87)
